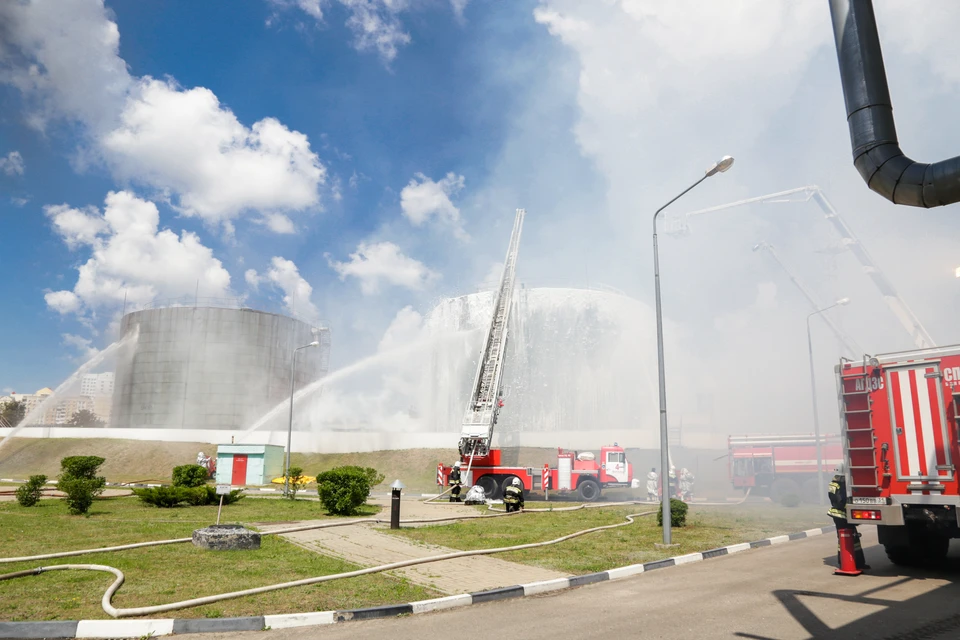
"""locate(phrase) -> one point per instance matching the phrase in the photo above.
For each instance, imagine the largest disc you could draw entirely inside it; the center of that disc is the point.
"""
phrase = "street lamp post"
(813, 393)
(293, 370)
(718, 167)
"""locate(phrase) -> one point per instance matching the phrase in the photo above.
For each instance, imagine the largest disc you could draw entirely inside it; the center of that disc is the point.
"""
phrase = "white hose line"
(307, 527)
(196, 602)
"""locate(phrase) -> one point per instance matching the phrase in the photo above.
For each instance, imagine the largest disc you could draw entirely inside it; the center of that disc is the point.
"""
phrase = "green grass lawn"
(157, 575)
(707, 528)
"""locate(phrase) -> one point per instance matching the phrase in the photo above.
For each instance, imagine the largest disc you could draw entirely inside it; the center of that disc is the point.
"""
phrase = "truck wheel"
(589, 490)
(898, 555)
(932, 548)
(507, 480)
(783, 487)
(489, 486)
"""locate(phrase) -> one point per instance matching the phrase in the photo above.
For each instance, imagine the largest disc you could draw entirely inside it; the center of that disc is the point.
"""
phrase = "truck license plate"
(862, 500)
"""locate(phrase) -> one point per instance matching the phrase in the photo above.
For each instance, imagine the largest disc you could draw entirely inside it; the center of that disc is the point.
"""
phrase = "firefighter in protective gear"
(454, 481)
(513, 496)
(672, 483)
(837, 492)
(652, 479)
(686, 485)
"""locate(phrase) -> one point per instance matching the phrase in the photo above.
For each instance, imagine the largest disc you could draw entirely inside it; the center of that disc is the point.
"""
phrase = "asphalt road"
(783, 592)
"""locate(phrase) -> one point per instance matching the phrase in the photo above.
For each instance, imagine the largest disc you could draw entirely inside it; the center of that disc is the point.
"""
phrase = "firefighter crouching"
(454, 481)
(837, 491)
(513, 496)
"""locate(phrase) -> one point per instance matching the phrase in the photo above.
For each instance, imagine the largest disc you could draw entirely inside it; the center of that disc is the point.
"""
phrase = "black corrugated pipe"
(873, 135)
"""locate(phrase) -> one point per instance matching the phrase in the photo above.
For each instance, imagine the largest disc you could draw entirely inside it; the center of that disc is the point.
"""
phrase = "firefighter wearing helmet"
(513, 496)
(454, 481)
(837, 492)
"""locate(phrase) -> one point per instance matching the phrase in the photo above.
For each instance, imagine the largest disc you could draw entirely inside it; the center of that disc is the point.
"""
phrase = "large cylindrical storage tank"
(210, 368)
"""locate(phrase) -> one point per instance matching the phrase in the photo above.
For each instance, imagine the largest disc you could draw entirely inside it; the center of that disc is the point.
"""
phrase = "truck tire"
(930, 547)
(489, 485)
(506, 483)
(783, 487)
(589, 490)
(898, 554)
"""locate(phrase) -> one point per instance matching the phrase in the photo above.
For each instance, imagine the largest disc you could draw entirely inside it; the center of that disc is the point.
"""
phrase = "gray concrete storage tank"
(210, 368)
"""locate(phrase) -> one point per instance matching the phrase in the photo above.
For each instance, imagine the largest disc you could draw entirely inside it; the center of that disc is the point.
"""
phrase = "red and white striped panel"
(916, 408)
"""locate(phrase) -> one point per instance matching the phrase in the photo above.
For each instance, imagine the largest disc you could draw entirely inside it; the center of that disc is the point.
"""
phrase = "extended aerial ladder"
(852, 347)
(480, 417)
(896, 304)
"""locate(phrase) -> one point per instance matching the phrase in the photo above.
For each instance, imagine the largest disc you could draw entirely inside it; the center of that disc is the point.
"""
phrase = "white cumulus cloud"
(424, 199)
(183, 143)
(12, 164)
(380, 262)
(131, 258)
(83, 346)
(297, 292)
(375, 24)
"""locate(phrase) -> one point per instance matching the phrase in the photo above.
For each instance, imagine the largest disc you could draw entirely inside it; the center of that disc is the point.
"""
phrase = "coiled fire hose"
(105, 602)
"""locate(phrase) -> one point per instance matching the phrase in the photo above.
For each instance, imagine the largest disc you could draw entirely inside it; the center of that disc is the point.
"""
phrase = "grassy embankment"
(707, 528)
(156, 575)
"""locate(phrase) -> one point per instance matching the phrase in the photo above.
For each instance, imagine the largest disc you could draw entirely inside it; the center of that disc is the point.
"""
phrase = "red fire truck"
(575, 472)
(900, 413)
(782, 465)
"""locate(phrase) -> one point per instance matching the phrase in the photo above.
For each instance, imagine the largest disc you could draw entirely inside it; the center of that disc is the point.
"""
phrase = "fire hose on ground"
(195, 602)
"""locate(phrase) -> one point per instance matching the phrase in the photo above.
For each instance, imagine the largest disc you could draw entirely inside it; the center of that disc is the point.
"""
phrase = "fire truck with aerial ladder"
(481, 463)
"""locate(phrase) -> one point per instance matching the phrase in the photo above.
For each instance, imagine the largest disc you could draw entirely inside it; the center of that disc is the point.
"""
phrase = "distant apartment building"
(31, 401)
(96, 384)
(61, 411)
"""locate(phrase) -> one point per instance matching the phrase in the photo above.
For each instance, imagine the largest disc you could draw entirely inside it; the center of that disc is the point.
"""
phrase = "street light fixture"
(813, 393)
(717, 167)
(293, 366)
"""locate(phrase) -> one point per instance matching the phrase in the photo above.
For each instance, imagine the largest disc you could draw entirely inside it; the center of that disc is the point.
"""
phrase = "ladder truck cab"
(899, 417)
(583, 474)
(776, 465)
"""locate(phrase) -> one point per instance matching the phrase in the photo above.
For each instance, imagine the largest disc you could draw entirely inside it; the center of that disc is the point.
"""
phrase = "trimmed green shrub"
(296, 481)
(374, 477)
(79, 480)
(163, 497)
(29, 494)
(343, 490)
(169, 497)
(678, 514)
(790, 500)
(190, 475)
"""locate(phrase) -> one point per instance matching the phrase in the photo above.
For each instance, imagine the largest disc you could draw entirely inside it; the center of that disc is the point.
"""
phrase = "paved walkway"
(784, 592)
(369, 546)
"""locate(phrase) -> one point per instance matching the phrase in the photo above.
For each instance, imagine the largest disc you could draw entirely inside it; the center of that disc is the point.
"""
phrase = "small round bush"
(790, 500)
(190, 475)
(28, 494)
(678, 514)
(343, 490)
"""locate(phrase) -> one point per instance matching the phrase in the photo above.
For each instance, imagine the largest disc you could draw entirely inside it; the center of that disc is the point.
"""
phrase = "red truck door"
(921, 444)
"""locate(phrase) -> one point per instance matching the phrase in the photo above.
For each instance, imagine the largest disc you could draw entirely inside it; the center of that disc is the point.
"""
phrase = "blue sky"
(356, 160)
(374, 123)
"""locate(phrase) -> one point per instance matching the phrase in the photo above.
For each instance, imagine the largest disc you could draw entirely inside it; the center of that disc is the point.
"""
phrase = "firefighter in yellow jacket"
(513, 496)
(837, 492)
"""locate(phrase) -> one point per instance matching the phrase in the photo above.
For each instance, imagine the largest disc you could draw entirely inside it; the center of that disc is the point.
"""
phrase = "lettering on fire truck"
(875, 383)
(951, 375)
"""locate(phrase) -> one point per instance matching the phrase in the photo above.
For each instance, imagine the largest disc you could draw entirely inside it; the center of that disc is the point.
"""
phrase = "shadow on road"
(933, 615)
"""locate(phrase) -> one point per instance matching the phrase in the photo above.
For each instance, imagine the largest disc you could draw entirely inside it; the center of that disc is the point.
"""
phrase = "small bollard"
(395, 504)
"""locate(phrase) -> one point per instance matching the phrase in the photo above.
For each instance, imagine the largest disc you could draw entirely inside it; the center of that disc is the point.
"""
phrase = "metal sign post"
(222, 490)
